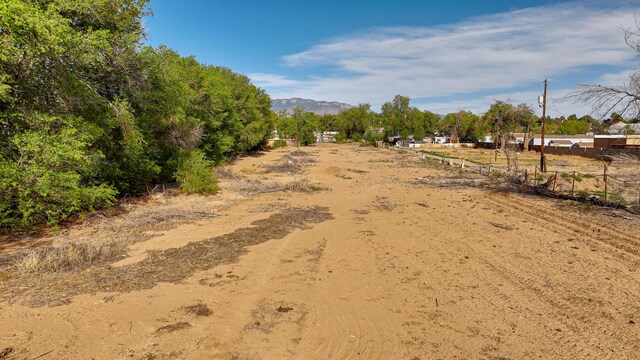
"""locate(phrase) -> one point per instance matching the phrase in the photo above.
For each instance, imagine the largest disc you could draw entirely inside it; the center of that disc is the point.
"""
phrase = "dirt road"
(375, 266)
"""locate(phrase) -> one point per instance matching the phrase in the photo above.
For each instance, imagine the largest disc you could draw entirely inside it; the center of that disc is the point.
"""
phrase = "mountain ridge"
(315, 106)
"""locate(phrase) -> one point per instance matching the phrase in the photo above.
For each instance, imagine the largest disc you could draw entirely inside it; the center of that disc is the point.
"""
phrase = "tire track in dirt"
(586, 315)
(586, 312)
(619, 245)
(561, 214)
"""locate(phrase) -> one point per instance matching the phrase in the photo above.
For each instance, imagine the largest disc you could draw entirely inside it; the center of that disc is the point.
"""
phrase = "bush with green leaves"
(196, 174)
(279, 144)
(45, 173)
(87, 113)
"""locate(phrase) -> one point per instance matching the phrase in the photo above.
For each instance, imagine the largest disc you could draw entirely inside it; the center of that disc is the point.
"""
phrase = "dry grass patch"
(254, 187)
(172, 265)
(69, 256)
(198, 310)
(173, 327)
(303, 185)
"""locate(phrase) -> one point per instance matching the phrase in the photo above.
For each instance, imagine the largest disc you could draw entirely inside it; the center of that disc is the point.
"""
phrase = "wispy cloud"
(492, 53)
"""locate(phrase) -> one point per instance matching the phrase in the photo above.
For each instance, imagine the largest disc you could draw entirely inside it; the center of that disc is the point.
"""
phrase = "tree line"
(88, 114)
(398, 118)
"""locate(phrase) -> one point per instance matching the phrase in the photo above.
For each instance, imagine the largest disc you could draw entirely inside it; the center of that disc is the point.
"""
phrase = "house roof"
(561, 142)
(551, 137)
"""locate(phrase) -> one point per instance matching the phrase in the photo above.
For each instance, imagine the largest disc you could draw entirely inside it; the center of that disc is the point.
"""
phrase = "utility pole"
(543, 162)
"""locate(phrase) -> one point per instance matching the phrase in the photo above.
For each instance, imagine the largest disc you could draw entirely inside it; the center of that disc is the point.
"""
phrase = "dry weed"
(69, 256)
(303, 185)
(106, 242)
(225, 172)
(198, 310)
(299, 153)
(383, 203)
(167, 266)
(254, 187)
(289, 165)
(173, 327)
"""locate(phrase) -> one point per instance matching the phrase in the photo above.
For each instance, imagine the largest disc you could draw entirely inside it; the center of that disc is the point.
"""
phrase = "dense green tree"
(502, 121)
(299, 126)
(86, 113)
(354, 122)
(573, 127)
(431, 123)
(464, 126)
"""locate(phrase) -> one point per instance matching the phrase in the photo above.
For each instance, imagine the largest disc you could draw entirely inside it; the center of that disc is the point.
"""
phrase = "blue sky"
(445, 55)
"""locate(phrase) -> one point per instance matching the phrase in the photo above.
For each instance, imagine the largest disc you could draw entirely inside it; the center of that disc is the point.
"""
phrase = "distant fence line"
(593, 153)
(613, 190)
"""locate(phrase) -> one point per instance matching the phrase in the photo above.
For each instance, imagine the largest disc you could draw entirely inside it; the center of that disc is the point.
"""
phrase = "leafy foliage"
(87, 114)
(47, 176)
(196, 174)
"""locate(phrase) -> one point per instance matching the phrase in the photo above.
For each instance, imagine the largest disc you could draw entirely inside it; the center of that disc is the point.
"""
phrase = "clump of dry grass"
(173, 327)
(133, 227)
(290, 164)
(225, 172)
(383, 203)
(198, 310)
(303, 185)
(106, 242)
(299, 153)
(69, 256)
(254, 187)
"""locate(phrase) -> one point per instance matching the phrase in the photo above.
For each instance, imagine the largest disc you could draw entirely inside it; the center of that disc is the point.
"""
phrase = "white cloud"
(489, 53)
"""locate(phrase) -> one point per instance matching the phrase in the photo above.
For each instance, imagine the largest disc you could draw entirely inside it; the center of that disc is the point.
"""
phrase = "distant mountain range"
(317, 107)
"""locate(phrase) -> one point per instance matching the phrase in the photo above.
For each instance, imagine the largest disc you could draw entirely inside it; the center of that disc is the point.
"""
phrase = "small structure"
(608, 141)
(325, 136)
(622, 128)
(560, 140)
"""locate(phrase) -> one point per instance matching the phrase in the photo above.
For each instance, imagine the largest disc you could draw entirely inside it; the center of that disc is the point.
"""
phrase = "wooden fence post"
(573, 183)
(605, 182)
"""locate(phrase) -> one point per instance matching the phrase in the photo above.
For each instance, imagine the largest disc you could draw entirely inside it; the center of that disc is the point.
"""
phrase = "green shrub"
(47, 180)
(196, 174)
(279, 144)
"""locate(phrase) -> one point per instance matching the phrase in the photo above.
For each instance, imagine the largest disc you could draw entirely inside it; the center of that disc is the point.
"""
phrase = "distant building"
(561, 140)
(622, 128)
(607, 141)
(325, 136)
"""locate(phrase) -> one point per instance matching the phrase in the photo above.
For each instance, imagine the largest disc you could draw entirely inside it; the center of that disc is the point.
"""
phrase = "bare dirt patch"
(268, 315)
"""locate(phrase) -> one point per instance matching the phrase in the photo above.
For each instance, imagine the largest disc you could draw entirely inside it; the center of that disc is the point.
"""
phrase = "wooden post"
(605, 182)
(535, 176)
(555, 182)
(526, 176)
(573, 183)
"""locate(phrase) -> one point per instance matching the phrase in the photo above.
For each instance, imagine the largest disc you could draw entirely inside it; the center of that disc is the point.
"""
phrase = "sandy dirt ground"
(376, 265)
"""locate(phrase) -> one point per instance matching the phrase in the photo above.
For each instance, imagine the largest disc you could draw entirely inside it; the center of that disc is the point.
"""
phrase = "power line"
(558, 111)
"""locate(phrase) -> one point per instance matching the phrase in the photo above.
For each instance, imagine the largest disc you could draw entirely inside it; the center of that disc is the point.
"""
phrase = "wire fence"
(602, 187)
